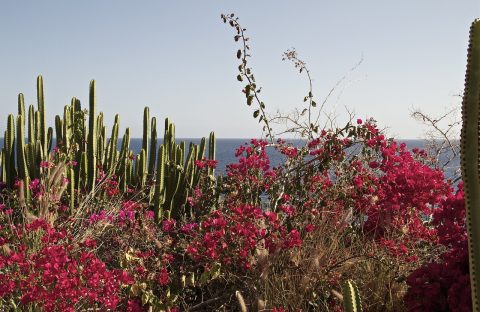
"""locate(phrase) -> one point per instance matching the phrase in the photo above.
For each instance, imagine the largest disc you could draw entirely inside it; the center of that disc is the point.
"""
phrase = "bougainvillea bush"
(350, 204)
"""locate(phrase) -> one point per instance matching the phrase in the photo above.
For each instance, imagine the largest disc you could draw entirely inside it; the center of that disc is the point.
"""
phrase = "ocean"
(225, 151)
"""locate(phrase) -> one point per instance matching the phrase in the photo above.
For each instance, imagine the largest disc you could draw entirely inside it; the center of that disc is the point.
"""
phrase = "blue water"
(225, 151)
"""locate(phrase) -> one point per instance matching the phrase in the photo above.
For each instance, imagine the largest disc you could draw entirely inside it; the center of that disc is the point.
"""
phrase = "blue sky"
(178, 58)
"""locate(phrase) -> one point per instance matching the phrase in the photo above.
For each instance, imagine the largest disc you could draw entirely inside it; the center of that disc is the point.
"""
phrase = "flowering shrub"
(55, 274)
(348, 204)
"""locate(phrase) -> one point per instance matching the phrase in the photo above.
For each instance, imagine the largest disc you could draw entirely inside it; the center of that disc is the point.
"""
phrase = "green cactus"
(67, 128)
(211, 151)
(38, 131)
(21, 107)
(83, 171)
(21, 161)
(49, 141)
(110, 160)
(159, 197)
(3, 174)
(123, 171)
(31, 124)
(9, 143)
(142, 168)
(146, 130)
(38, 157)
(351, 297)
(42, 126)
(129, 170)
(92, 139)
(33, 169)
(470, 160)
(153, 148)
(71, 187)
(59, 130)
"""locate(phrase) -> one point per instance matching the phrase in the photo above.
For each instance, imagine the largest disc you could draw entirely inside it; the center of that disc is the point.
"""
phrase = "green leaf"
(239, 78)
(314, 104)
(256, 113)
(239, 54)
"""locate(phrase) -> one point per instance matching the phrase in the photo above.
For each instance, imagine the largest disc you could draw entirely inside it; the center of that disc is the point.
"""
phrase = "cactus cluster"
(177, 174)
(86, 147)
(470, 157)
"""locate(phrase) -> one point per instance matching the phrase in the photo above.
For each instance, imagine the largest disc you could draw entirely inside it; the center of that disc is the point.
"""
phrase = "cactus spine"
(470, 160)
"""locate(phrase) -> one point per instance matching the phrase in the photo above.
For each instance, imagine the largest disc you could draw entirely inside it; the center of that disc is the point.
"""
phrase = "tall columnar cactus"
(110, 158)
(153, 148)
(92, 138)
(67, 127)
(42, 115)
(84, 174)
(470, 161)
(3, 173)
(21, 107)
(211, 151)
(31, 124)
(71, 187)
(146, 130)
(59, 130)
(351, 297)
(9, 151)
(123, 171)
(159, 197)
(21, 161)
(49, 141)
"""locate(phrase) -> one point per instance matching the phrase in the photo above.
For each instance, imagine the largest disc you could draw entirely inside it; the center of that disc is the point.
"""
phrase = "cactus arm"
(21, 162)
(201, 151)
(83, 171)
(159, 196)
(153, 148)
(211, 151)
(92, 139)
(470, 160)
(71, 188)
(351, 297)
(31, 124)
(146, 130)
(59, 130)
(67, 127)
(9, 151)
(42, 115)
(21, 107)
(112, 149)
(49, 141)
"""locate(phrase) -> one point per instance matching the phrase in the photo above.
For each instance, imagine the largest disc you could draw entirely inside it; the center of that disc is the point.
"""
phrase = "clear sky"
(178, 58)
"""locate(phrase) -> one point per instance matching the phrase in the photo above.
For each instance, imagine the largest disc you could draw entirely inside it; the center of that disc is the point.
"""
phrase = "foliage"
(349, 205)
